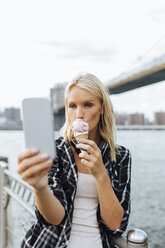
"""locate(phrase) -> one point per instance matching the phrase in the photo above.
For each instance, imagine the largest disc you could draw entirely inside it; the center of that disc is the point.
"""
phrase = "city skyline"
(126, 106)
(11, 118)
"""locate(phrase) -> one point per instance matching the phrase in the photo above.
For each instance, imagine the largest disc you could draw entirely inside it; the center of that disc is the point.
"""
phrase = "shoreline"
(119, 127)
(141, 127)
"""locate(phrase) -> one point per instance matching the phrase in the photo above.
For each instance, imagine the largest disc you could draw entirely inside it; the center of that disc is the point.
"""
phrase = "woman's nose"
(79, 113)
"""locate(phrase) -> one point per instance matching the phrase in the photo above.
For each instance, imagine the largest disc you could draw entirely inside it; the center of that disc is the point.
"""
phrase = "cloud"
(81, 50)
(158, 15)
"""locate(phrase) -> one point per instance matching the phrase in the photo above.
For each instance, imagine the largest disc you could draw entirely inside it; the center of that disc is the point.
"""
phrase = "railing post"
(3, 235)
(136, 238)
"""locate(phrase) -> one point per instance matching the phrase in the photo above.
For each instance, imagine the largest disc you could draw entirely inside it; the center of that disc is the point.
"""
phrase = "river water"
(148, 177)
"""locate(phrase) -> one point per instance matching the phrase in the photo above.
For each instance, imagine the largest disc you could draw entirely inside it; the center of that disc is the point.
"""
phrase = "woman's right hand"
(33, 168)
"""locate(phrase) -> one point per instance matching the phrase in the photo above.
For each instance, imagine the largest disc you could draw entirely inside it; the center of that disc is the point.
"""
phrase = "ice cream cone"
(80, 129)
(83, 136)
(79, 138)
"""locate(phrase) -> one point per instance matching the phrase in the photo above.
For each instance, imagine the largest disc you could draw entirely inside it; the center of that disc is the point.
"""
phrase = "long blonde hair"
(107, 127)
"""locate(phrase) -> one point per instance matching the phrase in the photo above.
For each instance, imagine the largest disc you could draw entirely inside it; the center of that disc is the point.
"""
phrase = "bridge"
(150, 72)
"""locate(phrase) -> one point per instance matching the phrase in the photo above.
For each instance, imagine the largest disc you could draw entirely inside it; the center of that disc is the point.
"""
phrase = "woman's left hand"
(92, 158)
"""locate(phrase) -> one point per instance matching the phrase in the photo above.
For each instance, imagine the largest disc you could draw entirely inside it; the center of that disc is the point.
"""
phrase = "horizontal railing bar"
(8, 173)
(19, 200)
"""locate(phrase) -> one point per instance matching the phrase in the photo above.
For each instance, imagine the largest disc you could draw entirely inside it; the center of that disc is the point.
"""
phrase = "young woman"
(82, 198)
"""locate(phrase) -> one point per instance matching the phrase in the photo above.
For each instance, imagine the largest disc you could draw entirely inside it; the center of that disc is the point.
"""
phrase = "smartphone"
(38, 125)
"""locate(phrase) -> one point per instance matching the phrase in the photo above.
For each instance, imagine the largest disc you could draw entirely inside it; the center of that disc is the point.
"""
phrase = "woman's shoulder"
(59, 140)
(61, 143)
(122, 153)
(122, 148)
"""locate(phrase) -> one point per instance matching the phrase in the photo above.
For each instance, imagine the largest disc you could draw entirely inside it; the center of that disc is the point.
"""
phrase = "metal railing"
(12, 187)
(22, 193)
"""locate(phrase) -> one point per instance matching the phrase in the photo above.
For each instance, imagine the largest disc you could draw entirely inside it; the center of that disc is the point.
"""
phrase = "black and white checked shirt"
(62, 178)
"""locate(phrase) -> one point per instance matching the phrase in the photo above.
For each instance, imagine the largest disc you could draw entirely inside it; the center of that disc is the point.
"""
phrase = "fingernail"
(34, 150)
(83, 151)
(48, 162)
(44, 155)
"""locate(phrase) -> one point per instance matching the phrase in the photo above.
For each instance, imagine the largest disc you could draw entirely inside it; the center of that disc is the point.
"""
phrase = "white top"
(85, 232)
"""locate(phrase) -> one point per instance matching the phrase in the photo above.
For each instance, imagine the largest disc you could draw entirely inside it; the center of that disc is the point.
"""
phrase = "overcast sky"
(45, 42)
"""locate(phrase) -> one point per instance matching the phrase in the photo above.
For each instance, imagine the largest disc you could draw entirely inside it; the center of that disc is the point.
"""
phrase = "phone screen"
(38, 125)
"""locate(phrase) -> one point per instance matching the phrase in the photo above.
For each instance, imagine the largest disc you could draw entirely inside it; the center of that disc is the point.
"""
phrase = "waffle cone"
(83, 136)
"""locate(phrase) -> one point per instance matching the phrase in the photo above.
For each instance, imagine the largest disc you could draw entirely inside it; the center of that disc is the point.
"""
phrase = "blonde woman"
(82, 199)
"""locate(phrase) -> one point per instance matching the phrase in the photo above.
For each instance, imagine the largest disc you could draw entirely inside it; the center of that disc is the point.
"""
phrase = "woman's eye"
(88, 104)
(72, 106)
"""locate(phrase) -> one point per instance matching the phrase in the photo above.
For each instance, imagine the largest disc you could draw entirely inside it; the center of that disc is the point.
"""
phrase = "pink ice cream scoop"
(80, 128)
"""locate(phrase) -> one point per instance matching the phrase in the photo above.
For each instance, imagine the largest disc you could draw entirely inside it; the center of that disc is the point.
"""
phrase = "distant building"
(12, 114)
(11, 119)
(159, 118)
(57, 96)
(2, 121)
(121, 118)
(136, 119)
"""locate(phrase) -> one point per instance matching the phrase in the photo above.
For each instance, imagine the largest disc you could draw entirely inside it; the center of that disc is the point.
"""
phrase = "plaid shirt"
(62, 178)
